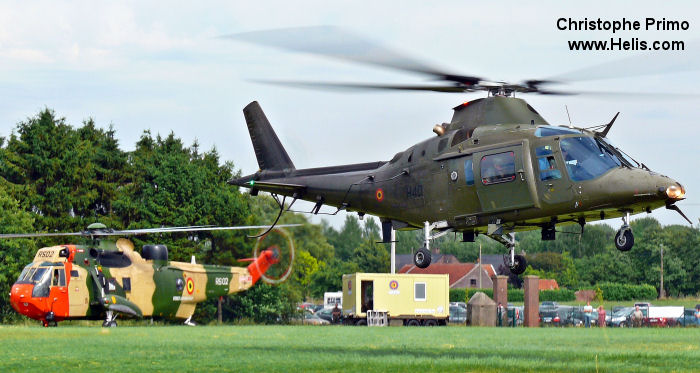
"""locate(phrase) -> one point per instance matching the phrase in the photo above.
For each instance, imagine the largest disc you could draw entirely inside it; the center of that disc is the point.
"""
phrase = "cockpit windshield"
(41, 280)
(586, 158)
(624, 155)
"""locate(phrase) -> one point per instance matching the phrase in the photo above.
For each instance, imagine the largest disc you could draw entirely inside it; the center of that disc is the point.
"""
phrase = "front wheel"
(422, 258)
(624, 240)
(519, 265)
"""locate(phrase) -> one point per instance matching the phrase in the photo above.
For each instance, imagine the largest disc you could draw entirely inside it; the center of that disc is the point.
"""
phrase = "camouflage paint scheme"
(85, 285)
(426, 182)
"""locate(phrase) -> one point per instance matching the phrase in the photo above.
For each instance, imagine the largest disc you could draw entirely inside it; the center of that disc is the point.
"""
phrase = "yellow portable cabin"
(407, 299)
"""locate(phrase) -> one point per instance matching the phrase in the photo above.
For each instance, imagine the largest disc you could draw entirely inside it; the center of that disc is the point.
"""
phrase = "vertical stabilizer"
(268, 148)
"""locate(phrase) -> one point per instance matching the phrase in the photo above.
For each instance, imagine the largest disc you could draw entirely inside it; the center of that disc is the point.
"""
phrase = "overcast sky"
(160, 66)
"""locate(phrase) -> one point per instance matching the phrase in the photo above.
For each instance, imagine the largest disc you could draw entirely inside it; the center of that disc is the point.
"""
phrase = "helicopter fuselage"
(87, 282)
(498, 162)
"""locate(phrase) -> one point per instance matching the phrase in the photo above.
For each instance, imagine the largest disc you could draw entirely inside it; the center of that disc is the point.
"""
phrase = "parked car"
(517, 312)
(308, 318)
(458, 315)
(549, 304)
(326, 314)
(621, 318)
(459, 304)
(578, 314)
(549, 317)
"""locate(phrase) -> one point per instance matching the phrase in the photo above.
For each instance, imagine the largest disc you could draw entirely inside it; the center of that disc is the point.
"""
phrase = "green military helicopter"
(496, 168)
(104, 278)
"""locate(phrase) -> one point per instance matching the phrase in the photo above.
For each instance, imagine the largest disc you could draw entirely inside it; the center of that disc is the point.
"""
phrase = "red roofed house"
(548, 284)
(462, 275)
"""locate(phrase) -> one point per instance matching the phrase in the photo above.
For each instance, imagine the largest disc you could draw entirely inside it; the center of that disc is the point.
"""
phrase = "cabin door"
(505, 181)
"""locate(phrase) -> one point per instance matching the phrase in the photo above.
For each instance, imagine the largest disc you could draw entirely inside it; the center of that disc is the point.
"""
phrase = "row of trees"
(55, 177)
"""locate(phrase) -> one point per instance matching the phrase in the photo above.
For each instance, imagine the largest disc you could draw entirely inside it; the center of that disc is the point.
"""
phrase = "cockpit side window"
(547, 163)
(59, 277)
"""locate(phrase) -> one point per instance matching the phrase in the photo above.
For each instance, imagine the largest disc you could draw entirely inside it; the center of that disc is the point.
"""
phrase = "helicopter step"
(624, 239)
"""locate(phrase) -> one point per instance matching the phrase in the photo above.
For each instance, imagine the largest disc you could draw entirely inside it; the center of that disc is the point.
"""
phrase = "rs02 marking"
(221, 281)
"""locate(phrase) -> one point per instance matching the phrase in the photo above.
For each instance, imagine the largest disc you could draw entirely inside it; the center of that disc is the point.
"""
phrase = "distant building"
(548, 284)
(462, 275)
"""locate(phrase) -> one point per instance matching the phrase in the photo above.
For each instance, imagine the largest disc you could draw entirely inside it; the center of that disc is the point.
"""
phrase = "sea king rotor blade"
(193, 229)
(30, 235)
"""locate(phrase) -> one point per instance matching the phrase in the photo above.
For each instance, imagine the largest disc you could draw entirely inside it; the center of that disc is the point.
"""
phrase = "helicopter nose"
(21, 300)
(674, 192)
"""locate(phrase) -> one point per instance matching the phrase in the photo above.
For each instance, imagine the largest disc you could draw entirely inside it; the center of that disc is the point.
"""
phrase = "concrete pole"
(393, 250)
(480, 268)
(662, 292)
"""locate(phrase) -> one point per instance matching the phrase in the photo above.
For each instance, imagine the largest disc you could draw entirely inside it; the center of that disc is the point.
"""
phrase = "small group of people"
(588, 315)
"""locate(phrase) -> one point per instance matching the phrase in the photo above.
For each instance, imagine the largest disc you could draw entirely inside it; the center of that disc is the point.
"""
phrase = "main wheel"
(624, 240)
(519, 265)
(422, 258)
(413, 322)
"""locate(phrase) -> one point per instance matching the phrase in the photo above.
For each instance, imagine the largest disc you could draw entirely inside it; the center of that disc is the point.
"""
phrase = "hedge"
(561, 295)
(624, 292)
(458, 295)
(518, 295)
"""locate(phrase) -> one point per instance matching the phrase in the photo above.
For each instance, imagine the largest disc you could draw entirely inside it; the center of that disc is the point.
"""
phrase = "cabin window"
(498, 168)
(410, 157)
(126, 283)
(469, 171)
(419, 291)
(74, 274)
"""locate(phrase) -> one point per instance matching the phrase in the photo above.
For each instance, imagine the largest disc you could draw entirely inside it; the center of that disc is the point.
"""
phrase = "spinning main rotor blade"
(134, 232)
(662, 62)
(363, 86)
(337, 43)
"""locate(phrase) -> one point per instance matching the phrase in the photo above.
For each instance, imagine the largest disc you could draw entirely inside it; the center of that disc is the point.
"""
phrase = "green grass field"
(349, 349)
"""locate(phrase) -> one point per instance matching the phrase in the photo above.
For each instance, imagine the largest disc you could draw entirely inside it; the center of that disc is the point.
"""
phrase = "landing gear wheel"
(624, 240)
(422, 258)
(519, 265)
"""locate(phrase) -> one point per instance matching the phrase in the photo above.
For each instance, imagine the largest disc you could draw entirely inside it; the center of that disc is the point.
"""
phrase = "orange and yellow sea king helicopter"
(102, 278)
